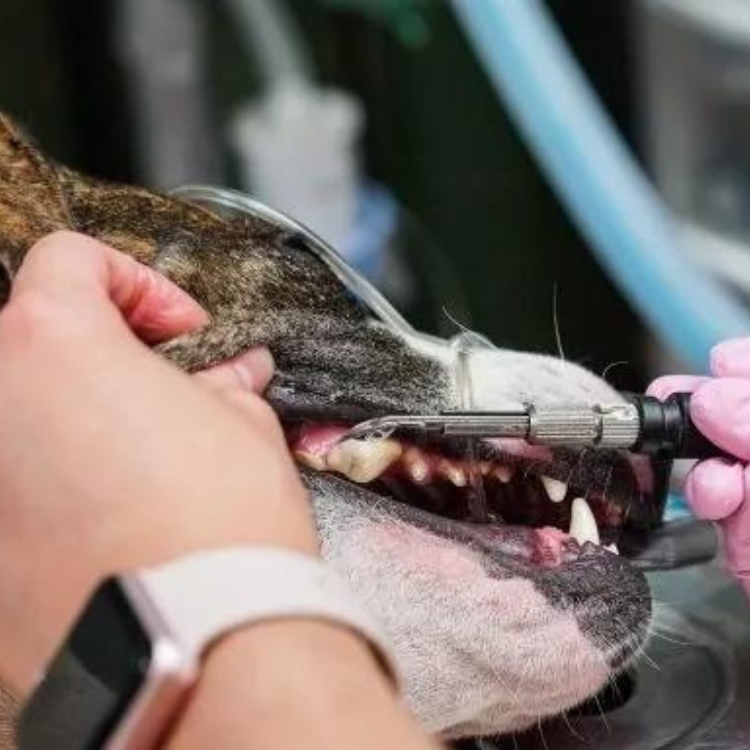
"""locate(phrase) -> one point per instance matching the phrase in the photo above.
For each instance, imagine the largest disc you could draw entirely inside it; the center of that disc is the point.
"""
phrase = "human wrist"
(152, 543)
(258, 678)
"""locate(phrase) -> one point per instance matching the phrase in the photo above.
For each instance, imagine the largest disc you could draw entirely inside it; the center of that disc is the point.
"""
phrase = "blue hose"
(607, 194)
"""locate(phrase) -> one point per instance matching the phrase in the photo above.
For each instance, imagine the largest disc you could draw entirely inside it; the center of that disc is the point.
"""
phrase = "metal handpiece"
(643, 424)
(612, 426)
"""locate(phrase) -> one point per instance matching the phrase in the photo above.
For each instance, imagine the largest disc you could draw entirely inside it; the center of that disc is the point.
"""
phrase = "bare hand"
(111, 458)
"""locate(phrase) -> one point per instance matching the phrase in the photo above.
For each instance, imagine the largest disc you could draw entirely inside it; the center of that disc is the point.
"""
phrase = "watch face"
(92, 680)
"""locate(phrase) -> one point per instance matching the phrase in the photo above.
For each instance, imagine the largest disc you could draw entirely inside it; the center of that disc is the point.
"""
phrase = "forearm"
(295, 684)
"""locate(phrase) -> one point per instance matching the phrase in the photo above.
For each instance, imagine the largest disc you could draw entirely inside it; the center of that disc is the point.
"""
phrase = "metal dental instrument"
(641, 425)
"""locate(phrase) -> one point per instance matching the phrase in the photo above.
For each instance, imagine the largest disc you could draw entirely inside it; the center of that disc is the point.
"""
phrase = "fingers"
(250, 372)
(721, 411)
(85, 274)
(737, 536)
(239, 382)
(666, 386)
(731, 358)
(715, 489)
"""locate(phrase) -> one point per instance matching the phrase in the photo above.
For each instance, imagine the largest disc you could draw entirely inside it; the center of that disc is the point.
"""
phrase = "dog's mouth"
(571, 498)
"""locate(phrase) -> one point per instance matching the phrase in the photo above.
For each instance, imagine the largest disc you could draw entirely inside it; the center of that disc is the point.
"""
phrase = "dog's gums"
(495, 625)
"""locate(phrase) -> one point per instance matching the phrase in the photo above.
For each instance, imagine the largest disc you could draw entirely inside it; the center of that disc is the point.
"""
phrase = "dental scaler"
(643, 424)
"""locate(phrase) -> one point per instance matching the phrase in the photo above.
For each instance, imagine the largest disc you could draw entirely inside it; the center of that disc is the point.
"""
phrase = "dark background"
(436, 135)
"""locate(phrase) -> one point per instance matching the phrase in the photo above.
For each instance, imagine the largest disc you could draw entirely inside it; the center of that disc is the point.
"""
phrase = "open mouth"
(574, 497)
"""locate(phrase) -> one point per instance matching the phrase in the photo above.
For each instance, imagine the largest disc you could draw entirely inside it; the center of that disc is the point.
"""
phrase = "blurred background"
(375, 122)
(561, 175)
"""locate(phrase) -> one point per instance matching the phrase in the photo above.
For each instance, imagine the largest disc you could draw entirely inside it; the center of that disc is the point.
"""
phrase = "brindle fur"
(260, 285)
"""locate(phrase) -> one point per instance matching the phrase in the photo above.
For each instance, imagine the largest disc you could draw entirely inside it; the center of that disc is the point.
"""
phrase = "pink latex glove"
(717, 489)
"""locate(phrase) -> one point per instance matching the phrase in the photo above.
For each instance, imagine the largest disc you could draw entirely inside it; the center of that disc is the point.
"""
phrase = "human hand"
(717, 489)
(111, 458)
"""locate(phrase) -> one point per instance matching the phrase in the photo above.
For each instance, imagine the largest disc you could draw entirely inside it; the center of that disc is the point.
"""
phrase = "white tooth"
(583, 526)
(556, 490)
(453, 473)
(363, 460)
(612, 548)
(503, 473)
(310, 460)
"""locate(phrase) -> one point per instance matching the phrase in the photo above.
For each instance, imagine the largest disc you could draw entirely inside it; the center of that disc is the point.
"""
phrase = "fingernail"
(254, 368)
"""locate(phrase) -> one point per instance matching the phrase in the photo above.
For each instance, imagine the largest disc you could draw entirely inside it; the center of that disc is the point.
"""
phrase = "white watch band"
(207, 595)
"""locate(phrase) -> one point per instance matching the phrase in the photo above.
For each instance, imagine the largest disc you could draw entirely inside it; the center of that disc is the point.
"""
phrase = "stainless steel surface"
(446, 425)
(606, 426)
(691, 688)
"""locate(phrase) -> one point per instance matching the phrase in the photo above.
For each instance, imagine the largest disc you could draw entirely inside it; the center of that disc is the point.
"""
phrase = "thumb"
(250, 372)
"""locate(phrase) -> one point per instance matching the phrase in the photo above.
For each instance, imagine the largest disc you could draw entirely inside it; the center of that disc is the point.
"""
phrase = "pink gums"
(521, 449)
(551, 545)
(318, 439)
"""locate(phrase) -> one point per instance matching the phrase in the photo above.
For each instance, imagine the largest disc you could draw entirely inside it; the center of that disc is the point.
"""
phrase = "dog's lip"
(513, 547)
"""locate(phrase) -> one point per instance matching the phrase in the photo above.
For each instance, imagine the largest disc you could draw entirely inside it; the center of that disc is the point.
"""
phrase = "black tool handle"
(667, 428)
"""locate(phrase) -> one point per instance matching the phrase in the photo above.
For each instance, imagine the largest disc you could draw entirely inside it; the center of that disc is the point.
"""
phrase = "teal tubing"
(611, 200)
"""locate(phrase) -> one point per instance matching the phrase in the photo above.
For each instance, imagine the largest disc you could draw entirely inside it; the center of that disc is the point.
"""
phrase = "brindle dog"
(494, 625)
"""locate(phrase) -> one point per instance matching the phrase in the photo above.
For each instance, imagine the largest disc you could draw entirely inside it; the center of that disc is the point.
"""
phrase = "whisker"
(556, 322)
(663, 637)
(602, 714)
(612, 365)
(572, 730)
(541, 733)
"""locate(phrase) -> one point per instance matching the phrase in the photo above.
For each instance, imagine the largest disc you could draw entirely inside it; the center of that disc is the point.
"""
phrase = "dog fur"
(487, 641)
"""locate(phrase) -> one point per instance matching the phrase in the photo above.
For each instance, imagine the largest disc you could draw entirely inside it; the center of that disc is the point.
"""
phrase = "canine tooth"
(310, 460)
(363, 460)
(455, 474)
(583, 526)
(503, 472)
(556, 490)
(612, 548)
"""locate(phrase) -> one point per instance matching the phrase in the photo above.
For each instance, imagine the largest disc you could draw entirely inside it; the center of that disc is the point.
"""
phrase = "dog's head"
(495, 625)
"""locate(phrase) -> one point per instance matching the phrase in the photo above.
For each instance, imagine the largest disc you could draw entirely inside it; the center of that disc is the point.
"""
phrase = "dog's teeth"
(363, 460)
(556, 490)
(612, 548)
(454, 474)
(310, 460)
(416, 466)
(583, 526)
(503, 473)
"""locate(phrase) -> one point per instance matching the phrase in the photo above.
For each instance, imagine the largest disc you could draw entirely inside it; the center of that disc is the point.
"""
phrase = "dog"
(495, 625)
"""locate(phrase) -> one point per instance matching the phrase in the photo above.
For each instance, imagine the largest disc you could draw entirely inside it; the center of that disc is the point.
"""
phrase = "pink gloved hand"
(717, 489)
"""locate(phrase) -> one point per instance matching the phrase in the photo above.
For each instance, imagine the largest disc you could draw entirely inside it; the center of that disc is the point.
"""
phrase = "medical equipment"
(641, 425)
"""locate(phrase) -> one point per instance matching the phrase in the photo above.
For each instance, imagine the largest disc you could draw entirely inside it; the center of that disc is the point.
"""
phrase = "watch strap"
(205, 596)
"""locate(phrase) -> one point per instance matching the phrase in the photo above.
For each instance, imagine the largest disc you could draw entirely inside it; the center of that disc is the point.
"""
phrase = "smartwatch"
(133, 656)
